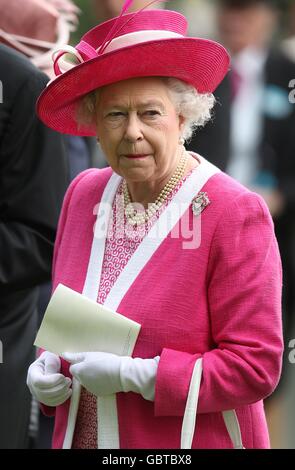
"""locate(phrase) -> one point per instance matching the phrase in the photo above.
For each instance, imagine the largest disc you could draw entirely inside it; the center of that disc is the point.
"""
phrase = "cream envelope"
(74, 323)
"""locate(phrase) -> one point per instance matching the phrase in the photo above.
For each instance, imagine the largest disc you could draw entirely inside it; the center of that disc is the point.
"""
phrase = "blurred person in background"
(32, 185)
(252, 135)
(202, 14)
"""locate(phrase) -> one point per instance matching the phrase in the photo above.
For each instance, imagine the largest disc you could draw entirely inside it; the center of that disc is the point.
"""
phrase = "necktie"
(236, 81)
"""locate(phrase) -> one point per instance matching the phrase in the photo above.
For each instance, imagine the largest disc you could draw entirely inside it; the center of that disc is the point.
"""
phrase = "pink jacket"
(221, 301)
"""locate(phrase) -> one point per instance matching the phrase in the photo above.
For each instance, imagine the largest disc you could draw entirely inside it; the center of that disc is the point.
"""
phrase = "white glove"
(104, 373)
(45, 382)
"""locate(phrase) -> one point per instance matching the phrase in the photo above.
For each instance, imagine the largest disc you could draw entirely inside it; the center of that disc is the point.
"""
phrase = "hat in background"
(37, 27)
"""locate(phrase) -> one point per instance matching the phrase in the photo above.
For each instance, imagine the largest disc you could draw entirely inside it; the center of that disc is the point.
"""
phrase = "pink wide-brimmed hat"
(142, 44)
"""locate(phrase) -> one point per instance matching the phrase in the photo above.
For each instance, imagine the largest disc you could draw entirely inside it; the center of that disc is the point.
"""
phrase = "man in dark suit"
(252, 135)
(33, 180)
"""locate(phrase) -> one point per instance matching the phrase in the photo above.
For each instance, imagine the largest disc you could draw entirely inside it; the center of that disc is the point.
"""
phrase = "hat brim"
(200, 62)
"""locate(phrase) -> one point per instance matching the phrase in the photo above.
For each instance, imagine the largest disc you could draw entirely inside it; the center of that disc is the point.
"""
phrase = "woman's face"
(138, 128)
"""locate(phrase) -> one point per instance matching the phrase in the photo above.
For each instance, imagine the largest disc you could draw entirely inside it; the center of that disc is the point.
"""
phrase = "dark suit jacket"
(33, 180)
(277, 147)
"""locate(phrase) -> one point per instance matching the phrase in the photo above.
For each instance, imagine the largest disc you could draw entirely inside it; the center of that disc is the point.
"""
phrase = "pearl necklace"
(138, 218)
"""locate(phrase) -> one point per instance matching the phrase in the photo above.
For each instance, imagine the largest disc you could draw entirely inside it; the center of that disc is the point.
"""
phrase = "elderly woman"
(188, 252)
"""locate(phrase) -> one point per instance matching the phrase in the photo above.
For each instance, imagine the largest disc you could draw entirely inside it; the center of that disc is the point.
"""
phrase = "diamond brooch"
(199, 203)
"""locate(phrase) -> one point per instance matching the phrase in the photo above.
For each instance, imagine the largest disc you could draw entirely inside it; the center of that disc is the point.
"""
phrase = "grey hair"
(195, 107)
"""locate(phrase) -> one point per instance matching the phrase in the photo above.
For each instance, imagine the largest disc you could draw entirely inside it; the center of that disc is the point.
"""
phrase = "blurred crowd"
(252, 138)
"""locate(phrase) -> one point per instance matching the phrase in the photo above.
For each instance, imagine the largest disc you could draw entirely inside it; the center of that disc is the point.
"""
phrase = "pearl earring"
(181, 141)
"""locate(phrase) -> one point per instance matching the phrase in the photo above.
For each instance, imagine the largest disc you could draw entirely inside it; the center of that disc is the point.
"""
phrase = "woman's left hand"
(98, 372)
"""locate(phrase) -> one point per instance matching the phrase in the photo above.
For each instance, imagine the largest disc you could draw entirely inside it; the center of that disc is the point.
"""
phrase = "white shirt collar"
(250, 62)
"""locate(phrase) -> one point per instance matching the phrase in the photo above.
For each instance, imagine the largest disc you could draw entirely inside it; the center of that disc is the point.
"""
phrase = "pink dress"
(118, 251)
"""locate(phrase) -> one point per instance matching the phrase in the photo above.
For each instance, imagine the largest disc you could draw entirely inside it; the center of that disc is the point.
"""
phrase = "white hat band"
(139, 37)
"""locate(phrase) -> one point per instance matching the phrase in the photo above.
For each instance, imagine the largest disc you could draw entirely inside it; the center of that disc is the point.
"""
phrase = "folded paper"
(74, 323)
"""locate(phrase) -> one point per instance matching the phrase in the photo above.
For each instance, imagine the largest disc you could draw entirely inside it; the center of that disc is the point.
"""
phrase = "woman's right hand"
(45, 381)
